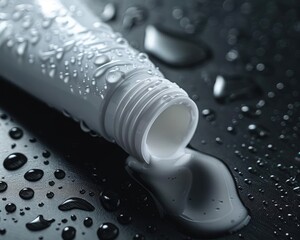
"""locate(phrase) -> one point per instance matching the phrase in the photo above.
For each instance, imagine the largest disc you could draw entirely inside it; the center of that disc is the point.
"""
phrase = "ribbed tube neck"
(151, 118)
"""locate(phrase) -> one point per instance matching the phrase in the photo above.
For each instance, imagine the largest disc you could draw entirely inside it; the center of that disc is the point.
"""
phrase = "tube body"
(61, 53)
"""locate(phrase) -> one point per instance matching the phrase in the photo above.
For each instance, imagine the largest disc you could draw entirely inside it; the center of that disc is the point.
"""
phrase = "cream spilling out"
(195, 190)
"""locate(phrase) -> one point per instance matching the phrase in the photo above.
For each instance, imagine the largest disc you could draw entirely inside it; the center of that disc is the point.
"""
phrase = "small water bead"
(138, 236)
(68, 233)
(73, 217)
(109, 12)
(46, 154)
(50, 195)
(208, 114)
(258, 130)
(34, 175)
(26, 193)
(250, 112)
(15, 133)
(51, 183)
(110, 200)
(10, 207)
(101, 59)
(107, 231)
(3, 186)
(124, 218)
(88, 222)
(59, 174)
(14, 161)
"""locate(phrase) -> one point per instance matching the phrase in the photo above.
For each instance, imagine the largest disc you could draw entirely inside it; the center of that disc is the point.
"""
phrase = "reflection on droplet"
(174, 50)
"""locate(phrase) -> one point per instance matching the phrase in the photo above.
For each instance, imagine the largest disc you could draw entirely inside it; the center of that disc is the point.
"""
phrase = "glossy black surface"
(255, 132)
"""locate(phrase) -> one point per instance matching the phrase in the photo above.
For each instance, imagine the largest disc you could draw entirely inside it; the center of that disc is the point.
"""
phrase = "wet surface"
(248, 95)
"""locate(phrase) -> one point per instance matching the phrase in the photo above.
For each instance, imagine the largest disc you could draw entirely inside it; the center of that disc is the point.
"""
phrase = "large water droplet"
(14, 161)
(10, 207)
(59, 173)
(174, 50)
(108, 231)
(26, 193)
(110, 200)
(15, 133)
(68, 233)
(39, 223)
(76, 203)
(34, 175)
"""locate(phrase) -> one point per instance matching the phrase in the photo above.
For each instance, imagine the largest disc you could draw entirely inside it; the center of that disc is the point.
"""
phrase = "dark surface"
(266, 35)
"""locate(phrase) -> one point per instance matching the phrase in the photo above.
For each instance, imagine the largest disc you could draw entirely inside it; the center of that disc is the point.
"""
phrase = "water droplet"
(34, 175)
(21, 48)
(76, 203)
(138, 236)
(124, 218)
(26, 193)
(3, 186)
(110, 200)
(258, 131)
(109, 12)
(208, 114)
(68, 233)
(113, 77)
(39, 223)
(14, 161)
(133, 16)
(107, 231)
(250, 112)
(49, 195)
(101, 59)
(88, 222)
(46, 154)
(15, 133)
(2, 231)
(59, 174)
(230, 88)
(174, 50)
(10, 207)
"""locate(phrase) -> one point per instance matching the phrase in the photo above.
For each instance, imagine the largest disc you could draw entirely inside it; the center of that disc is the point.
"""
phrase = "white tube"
(63, 55)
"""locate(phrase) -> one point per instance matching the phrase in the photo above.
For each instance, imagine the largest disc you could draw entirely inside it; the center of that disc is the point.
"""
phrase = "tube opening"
(170, 132)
